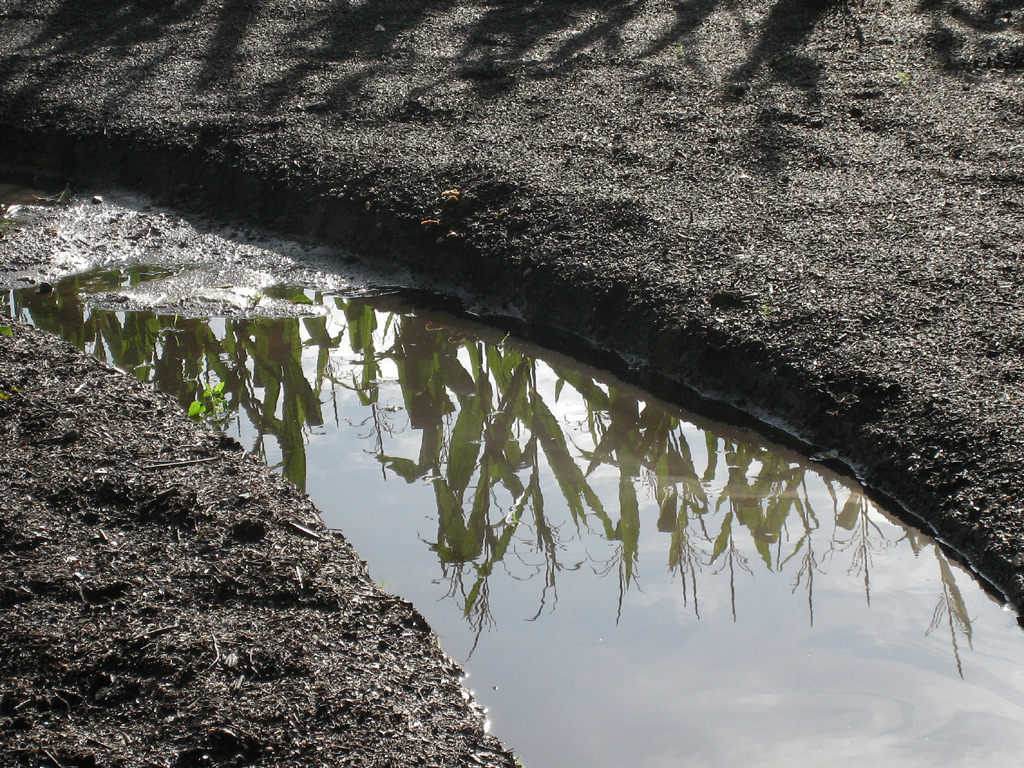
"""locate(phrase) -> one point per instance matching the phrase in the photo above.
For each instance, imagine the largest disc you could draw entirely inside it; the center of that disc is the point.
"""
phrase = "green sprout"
(212, 403)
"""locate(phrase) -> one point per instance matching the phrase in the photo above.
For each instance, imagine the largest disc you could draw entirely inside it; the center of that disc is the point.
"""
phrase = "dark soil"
(165, 600)
(813, 210)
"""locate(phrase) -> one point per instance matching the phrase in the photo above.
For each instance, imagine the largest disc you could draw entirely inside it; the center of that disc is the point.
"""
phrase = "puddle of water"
(216, 270)
(625, 583)
(13, 201)
(19, 194)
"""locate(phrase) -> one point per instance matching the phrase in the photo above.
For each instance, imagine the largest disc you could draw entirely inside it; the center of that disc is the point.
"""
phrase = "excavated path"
(813, 211)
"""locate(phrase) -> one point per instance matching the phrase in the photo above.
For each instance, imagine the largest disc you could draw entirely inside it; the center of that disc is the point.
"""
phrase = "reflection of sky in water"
(725, 659)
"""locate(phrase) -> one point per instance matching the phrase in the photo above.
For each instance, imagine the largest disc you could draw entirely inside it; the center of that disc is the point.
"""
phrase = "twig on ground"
(155, 632)
(303, 529)
(216, 647)
(182, 463)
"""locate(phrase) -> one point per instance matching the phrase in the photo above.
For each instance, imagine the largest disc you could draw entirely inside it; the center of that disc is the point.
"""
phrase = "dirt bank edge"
(678, 342)
(167, 600)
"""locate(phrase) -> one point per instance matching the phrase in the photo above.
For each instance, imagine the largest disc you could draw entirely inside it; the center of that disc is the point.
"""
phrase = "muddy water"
(626, 584)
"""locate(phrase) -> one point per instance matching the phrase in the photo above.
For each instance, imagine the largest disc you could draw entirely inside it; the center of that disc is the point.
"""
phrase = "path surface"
(812, 210)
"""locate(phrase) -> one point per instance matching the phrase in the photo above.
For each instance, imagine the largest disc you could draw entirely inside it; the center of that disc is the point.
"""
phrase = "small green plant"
(6, 330)
(211, 403)
(254, 300)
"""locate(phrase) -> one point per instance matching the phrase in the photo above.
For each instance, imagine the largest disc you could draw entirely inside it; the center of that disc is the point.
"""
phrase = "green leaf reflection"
(500, 436)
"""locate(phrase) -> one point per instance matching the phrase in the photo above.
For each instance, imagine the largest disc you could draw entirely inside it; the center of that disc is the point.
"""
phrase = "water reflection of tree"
(951, 610)
(488, 439)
